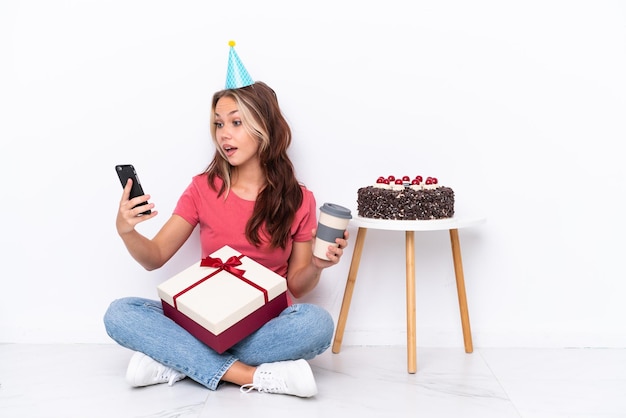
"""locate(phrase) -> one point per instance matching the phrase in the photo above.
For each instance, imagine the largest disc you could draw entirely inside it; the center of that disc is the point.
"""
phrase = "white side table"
(410, 227)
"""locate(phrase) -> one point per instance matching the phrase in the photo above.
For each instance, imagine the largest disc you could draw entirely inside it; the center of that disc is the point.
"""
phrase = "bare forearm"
(305, 280)
(143, 250)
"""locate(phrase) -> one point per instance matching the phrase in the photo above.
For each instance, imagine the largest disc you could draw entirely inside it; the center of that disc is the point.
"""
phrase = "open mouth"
(228, 150)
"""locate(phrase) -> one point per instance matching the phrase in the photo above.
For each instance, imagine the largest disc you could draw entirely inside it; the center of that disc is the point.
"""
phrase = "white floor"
(88, 381)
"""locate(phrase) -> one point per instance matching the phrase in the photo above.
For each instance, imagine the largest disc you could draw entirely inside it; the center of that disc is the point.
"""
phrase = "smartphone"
(125, 172)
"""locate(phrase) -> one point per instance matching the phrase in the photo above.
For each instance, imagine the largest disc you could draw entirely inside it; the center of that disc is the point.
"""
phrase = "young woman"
(248, 198)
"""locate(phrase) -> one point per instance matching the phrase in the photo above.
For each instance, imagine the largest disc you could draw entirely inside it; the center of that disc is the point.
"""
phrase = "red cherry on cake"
(419, 179)
(391, 178)
(434, 179)
(380, 179)
(386, 181)
(406, 178)
(429, 180)
(415, 181)
(398, 181)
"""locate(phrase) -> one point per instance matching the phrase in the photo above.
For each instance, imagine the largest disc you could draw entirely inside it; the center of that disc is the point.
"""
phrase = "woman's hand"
(333, 254)
(128, 215)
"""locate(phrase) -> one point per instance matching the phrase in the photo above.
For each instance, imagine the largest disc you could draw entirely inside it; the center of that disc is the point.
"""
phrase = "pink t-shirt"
(223, 222)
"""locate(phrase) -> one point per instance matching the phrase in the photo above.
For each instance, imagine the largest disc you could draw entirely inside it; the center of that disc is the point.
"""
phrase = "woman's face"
(235, 143)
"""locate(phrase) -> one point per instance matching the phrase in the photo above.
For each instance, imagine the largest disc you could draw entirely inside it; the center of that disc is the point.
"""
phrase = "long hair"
(277, 203)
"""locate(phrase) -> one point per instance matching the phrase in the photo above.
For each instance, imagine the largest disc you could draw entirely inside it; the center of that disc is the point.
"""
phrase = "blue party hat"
(236, 74)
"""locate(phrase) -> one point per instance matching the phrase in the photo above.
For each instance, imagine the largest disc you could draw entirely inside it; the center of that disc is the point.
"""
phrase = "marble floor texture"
(87, 381)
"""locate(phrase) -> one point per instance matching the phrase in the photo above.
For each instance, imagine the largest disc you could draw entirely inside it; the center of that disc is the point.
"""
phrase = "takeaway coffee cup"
(332, 223)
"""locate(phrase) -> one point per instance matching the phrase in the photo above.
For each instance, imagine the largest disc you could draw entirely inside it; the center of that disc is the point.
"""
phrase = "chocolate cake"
(405, 199)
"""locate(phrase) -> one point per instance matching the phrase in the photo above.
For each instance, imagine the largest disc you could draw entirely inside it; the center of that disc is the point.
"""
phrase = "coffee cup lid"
(336, 210)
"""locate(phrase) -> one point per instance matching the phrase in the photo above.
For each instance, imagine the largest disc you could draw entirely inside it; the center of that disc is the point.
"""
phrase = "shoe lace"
(170, 375)
(175, 377)
(246, 388)
(265, 382)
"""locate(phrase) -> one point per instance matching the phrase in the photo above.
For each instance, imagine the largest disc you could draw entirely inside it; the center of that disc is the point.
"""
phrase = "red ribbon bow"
(229, 265)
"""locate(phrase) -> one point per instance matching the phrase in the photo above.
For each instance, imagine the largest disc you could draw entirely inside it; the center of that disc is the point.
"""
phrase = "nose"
(223, 134)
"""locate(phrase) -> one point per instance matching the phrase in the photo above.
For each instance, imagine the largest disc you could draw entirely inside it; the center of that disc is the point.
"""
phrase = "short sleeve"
(187, 206)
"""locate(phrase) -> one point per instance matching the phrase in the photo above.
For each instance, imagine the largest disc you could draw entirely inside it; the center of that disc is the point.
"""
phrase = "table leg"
(410, 302)
(460, 287)
(347, 295)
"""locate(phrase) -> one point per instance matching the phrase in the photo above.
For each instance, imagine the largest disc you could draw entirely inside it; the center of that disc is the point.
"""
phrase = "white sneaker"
(285, 377)
(143, 371)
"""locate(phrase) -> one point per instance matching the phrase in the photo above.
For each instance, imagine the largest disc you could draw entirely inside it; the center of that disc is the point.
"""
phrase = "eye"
(218, 124)
(237, 123)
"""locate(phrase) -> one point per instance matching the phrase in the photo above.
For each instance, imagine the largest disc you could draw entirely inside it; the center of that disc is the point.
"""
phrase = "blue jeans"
(301, 331)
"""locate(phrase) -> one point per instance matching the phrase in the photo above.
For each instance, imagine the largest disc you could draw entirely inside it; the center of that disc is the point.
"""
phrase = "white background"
(519, 106)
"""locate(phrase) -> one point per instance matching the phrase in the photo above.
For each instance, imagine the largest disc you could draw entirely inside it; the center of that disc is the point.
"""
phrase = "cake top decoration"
(398, 183)
(236, 74)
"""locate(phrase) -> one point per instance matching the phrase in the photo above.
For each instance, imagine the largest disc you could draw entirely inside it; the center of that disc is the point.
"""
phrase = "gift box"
(223, 298)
